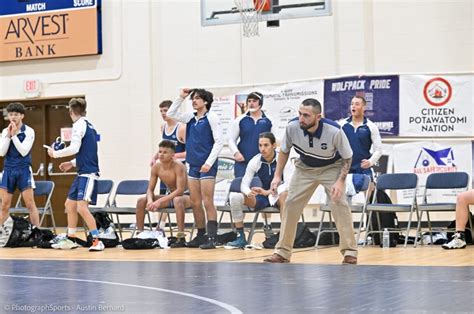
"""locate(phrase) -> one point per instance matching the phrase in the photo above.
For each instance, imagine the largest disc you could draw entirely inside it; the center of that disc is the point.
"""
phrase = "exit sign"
(31, 88)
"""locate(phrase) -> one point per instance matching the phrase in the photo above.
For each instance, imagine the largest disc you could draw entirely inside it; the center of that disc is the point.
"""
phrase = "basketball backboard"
(219, 12)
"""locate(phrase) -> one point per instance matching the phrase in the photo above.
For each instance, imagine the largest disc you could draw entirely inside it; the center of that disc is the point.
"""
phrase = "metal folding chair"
(267, 210)
(43, 189)
(172, 210)
(235, 187)
(394, 181)
(440, 181)
(356, 208)
(104, 189)
(127, 188)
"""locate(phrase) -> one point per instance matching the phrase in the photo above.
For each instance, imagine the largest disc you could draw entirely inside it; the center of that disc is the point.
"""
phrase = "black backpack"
(327, 238)
(387, 220)
(44, 239)
(270, 243)
(304, 238)
(140, 244)
(20, 232)
(103, 222)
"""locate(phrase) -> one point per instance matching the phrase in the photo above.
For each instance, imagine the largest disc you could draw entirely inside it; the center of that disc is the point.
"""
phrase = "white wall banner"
(223, 108)
(436, 105)
(280, 102)
(424, 158)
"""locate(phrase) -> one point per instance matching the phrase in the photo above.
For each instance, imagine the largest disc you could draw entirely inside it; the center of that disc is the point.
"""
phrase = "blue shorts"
(167, 191)
(194, 174)
(367, 171)
(239, 168)
(261, 202)
(83, 189)
(13, 178)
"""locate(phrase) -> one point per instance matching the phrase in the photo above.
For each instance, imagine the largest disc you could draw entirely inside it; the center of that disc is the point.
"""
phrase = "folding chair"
(440, 181)
(235, 187)
(104, 189)
(393, 181)
(127, 188)
(356, 208)
(172, 210)
(44, 189)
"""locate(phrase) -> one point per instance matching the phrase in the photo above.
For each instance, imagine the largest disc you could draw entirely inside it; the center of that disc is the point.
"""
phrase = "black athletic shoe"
(197, 241)
(180, 242)
(209, 244)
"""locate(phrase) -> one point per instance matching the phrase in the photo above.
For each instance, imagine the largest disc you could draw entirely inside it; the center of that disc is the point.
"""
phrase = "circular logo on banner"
(437, 91)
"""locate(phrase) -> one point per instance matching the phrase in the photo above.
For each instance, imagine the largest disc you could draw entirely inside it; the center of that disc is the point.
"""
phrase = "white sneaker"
(65, 244)
(162, 240)
(58, 238)
(8, 224)
(455, 243)
(4, 235)
(97, 246)
(146, 234)
(109, 233)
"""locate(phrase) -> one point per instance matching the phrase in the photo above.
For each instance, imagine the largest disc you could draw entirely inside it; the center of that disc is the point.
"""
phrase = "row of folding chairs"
(409, 183)
(399, 181)
(127, 188)
(108, 201)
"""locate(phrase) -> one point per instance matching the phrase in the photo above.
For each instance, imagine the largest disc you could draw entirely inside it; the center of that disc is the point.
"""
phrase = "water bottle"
(386, 239)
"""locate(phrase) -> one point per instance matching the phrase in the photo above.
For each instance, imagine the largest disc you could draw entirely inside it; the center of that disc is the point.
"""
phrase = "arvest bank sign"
(38, 29)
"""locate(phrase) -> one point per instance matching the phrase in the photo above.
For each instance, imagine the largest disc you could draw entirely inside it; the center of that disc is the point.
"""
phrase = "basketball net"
(251, 12)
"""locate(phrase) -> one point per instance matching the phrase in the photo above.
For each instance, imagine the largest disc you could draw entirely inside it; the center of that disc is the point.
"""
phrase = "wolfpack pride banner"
(436, 105)
(380, 92)
(424, 158)
(38, 29)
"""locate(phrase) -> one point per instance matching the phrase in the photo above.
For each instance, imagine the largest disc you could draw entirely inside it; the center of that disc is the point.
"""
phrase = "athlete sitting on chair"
(262, 165)
(173, 174)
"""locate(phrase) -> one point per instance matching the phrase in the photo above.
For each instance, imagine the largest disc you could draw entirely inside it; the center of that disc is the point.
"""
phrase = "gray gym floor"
(220, 287)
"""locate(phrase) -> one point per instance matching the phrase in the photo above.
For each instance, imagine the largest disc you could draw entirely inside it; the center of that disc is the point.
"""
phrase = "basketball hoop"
(251, 12)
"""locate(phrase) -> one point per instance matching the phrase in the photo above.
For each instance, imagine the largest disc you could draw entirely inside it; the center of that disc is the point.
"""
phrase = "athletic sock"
(462, 235)
(212, 228)
(94, 233)
(71, 232)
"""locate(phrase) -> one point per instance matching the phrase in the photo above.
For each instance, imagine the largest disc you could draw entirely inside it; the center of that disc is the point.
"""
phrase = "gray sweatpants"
(303, 183)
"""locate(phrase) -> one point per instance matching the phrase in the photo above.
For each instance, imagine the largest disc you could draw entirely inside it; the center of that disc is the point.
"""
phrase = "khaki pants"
(304, 182)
